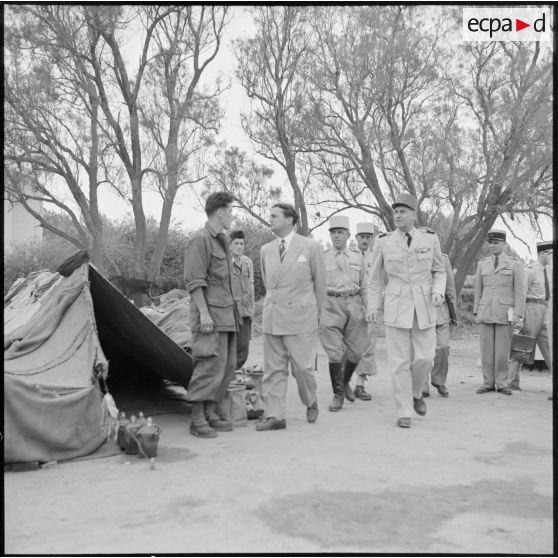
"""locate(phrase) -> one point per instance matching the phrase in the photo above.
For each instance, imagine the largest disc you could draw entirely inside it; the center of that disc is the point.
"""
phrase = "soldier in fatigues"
(439, 373)
(537, 294)
(367, 365)
(342, 323)
(416, 281)
(499, 304)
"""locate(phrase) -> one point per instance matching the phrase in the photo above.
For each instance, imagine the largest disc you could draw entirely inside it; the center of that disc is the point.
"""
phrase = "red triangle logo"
(519, 25)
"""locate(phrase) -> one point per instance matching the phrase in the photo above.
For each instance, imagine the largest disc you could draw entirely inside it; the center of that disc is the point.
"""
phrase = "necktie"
(282, 249)
(495, 262)
(409, 238)
(546, 286)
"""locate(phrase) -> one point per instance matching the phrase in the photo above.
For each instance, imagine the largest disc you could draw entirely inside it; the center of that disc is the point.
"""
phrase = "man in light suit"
(416, 282)
(439, 373)
(499, 305)
(293, 271)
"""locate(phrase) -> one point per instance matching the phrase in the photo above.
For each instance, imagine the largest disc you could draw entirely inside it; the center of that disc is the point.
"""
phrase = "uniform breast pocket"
(505, 277)
(354, 273)
(393, 262)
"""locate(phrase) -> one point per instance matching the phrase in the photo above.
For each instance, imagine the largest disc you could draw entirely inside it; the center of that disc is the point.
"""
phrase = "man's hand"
(517, 322)
(372, 314)
(206, 323)
(437, 299)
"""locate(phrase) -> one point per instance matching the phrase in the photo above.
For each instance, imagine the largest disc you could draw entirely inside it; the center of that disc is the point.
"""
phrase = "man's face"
(226, 216)
(278, 222)
(404, 217)
(237, 246)
(339, 238)
(364, 240)
(496, 246)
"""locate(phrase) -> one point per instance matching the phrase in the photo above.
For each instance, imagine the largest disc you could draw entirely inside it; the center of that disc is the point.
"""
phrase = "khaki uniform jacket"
(500, 289)
(351, 278)
(413, 274)
(295, 288)
(243, 285)
(206, 264)
(442, 312)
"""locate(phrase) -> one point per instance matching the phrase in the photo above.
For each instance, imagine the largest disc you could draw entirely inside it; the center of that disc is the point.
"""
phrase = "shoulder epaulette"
(444, 255)
(381, 235)
(430, 231)
(354, 250)
(485, 259)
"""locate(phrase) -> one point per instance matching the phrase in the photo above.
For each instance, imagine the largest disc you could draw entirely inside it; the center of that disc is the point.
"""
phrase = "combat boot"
(198, 423)
(215, 418)
(336, 375)
(347, 375)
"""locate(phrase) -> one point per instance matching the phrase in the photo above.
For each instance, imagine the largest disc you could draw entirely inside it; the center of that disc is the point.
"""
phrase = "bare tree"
(181, 115)
(53, 146)
(268, 69)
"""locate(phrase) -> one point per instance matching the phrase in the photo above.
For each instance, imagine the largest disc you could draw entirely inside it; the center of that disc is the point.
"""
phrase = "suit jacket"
(496, 290)
(442, 312)
(295, 288)
(413, 273)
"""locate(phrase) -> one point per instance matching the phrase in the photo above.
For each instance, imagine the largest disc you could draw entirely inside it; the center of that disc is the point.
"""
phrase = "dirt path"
(473, 476)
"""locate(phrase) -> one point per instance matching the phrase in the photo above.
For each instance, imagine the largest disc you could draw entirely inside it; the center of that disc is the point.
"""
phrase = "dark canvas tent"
(64, 333)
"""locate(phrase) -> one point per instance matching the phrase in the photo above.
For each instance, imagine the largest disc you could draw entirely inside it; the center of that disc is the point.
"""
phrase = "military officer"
(537, 294)
(342, 322)
(365, 233)
(439, 372)
(416, 280)
(499, 304)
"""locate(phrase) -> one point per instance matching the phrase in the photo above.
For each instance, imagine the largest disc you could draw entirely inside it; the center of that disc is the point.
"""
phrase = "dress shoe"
(336, 403)
(484, 389)
(202, 430)
(404, 422)
(349, 393)
(362, 394)
(505, 390)
(419, 406)
(271, 423)
(312, 412)
(426, 394)
(517, 388)
(442, 389)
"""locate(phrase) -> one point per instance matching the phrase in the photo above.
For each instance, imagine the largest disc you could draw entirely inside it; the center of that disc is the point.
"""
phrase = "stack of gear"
(138, 435)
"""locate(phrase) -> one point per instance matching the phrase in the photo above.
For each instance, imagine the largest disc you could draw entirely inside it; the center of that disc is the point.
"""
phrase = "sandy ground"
(473, 476)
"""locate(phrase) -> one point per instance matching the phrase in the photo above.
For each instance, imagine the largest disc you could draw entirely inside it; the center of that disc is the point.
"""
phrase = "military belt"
(344, 295)
(536, 300)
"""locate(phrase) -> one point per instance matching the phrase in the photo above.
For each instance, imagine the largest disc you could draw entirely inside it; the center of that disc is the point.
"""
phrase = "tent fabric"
(173, 319)
(63, 334)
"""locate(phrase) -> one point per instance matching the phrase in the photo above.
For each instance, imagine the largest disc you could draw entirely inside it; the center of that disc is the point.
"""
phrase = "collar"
(411, 232)
(345, 251)
(211, 229)
(287, 238)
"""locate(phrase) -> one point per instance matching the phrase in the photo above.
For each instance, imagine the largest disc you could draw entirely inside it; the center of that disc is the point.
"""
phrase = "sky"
(188, 212)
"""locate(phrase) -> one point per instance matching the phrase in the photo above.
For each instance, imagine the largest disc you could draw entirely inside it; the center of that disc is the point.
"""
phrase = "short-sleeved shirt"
(535, 282)
(207, 265)
(242, 275)
(344, 270)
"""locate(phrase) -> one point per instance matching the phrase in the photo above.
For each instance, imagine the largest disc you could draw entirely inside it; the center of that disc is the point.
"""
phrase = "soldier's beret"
(544, 245)
(406, 200)
(497, 234)
(338, 222)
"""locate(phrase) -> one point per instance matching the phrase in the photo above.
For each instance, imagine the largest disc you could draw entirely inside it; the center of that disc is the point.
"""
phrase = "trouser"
(367, 365)
(410, 355)
(214, 365)
(439, 373)
(343, 326)
(279, 351)
(243, 337)
(495, 343)
(534, 325)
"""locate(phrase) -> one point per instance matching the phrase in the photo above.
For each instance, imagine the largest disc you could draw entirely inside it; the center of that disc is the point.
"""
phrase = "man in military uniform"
(367, 365)
(212, 317)
(242, 277)
(499, 305)
(439, 372)
(342, 322)
(416, 280)
(537, 294)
